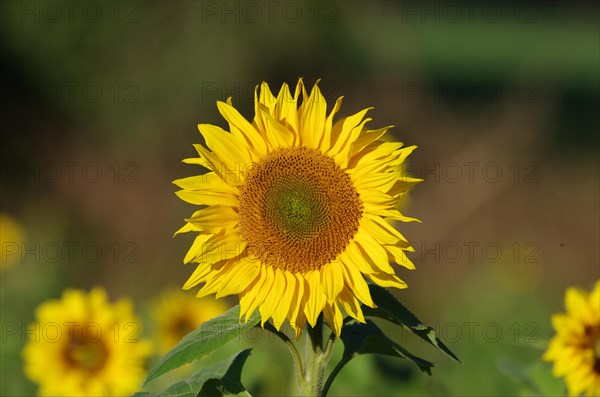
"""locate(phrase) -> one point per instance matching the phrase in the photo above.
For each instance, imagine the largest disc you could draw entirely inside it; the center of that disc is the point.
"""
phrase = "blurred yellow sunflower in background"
(575, 349)
(297, 209)
(176, 314)
(12, 236)
(81, 345)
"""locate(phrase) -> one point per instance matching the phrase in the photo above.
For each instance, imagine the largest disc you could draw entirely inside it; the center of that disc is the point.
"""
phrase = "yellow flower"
(11, 238)
(81, 345)
(575, 349)
(297, 209)
(176, 314)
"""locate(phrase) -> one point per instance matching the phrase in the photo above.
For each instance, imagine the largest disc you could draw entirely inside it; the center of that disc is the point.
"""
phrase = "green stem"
(311, 384)
(291, 347)
(334, 373)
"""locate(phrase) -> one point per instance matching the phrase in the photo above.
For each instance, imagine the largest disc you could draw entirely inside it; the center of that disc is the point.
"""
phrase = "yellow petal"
(356, 283)
(213, 219)
(267, 308)
(237, 122)
(387, 280)
(286, 110)
(366, 138)
(325, 143)
(345, 132)
(316, 297)
(399, 256)
(332, 280)
(312, 118)
(208, 197)
(296, 315)
(333, 317)
(245, 271)
(351, 305)
(268, 276)
(196, 247)
(224, 145)
(277, 134)
(371, 250)
(284, 305)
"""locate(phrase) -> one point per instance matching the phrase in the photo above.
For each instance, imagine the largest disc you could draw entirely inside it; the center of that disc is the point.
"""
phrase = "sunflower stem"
(311, 384)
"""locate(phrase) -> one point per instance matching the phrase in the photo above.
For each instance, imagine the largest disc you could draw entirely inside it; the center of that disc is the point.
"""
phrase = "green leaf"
(220, 379)
(205, 339)
(368, 339)
(389, 308)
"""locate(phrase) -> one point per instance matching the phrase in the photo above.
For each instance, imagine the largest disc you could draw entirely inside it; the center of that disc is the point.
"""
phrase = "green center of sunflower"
(86, 354)
(298, 209)
(295, 208)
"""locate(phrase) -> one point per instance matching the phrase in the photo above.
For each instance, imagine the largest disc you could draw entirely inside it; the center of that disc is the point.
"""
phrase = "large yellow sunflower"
(176, 314)
(297, 209)
(575, 349)
(81, 345)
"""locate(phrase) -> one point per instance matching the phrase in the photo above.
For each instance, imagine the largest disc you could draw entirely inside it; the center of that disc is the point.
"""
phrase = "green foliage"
(205, 339)
(368, 339)
(389, 308)
(220, 379)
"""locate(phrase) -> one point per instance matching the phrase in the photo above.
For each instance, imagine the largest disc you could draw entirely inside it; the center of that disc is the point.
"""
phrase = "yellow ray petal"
(355, 282)
(387, 280)
(381, 230)
(245, 271)
(284, 305)
(371, 250)
(286, 110)
(208, 197)
(333, 317)
(345, 132)
(277, 134)
(267, 308)
(253, 137)
(332, 280)
(325, 143)
(213, 219)
(351, 305)
(399, 256)
(268, 275)
(196, 247)
(312, 118)
(316, 297)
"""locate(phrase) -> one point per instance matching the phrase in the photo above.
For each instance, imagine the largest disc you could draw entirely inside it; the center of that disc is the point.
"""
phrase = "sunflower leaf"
(210, 336)
(369, 339)
(220, 379)
(389, 308)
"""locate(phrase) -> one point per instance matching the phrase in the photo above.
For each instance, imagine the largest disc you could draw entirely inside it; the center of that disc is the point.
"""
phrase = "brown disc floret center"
(298, 209)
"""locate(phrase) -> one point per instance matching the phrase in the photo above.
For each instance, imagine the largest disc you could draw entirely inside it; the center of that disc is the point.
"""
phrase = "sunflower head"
(176, 314)
(85, 346)
(296, 209)
(575, 349)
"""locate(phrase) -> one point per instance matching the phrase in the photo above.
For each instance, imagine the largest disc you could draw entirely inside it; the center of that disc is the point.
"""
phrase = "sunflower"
(176, 314)
(85, 346)
(575, 349)
(297, 209)
(11, 240)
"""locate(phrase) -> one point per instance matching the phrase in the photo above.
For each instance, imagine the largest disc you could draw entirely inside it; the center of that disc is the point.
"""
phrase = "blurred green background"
(100, 101)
